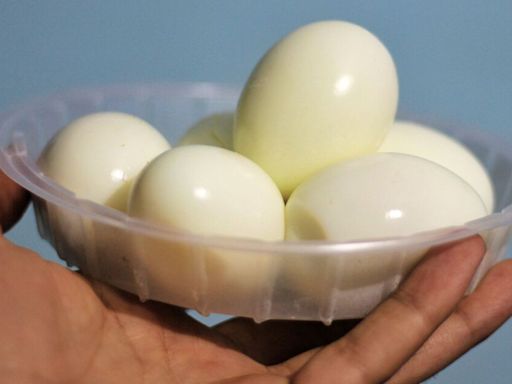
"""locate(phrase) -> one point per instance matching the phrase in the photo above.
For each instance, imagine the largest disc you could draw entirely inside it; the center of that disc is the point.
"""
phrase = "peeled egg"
(380, 195)
(416, 139)
(215, 130)
(326, 92)
(98, 156)
(210, 191)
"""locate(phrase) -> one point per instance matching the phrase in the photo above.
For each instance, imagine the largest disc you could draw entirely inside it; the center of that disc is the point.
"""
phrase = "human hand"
(59, 327)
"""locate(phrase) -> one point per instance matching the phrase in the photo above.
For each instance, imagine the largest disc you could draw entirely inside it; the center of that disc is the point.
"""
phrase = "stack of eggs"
(312, 152)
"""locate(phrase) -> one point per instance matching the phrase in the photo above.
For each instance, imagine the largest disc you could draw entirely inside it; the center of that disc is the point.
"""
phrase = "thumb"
(13, 202)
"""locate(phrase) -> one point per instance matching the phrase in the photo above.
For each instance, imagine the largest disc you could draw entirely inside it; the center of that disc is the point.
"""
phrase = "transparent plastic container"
(287, 280)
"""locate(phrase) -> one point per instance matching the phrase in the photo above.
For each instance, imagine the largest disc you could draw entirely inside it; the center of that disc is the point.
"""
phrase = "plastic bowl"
(288, 280)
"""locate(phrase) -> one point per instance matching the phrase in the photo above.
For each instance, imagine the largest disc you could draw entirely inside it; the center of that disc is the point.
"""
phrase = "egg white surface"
(215, 130)
(377, 196)
(419, 140)
(326, 92)
(210, 191)
(97, 156)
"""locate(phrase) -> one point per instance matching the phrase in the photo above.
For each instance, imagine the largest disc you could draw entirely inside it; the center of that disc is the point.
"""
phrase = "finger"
(389, 336)
(273, 342)
(13, 202)
(475, 318)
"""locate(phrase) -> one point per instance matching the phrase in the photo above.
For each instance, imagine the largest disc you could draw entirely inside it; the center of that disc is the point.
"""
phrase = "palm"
(73, 331)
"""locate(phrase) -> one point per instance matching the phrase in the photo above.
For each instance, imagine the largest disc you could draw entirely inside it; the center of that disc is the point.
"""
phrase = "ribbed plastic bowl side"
(323, 281)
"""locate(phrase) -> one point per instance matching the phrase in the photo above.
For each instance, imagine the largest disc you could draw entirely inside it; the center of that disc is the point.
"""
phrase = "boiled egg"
(97, 156)
(419, 140)
(380, 195)
(210, 191)
(215, 130)
(326, 92)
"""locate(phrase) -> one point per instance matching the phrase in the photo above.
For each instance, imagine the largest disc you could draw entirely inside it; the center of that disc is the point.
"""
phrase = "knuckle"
(411, 306)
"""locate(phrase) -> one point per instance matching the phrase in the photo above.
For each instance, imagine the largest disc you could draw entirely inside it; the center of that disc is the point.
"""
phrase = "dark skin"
(60, 327)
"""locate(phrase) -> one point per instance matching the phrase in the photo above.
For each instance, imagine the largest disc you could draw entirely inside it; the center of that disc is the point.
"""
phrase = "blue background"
(454, 60)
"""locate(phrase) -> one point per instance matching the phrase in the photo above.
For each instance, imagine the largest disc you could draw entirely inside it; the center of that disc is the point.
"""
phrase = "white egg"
(211, 191)
(215, 130)
(380, 195)
(98, 156)
(419, 140)
(326, 92)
